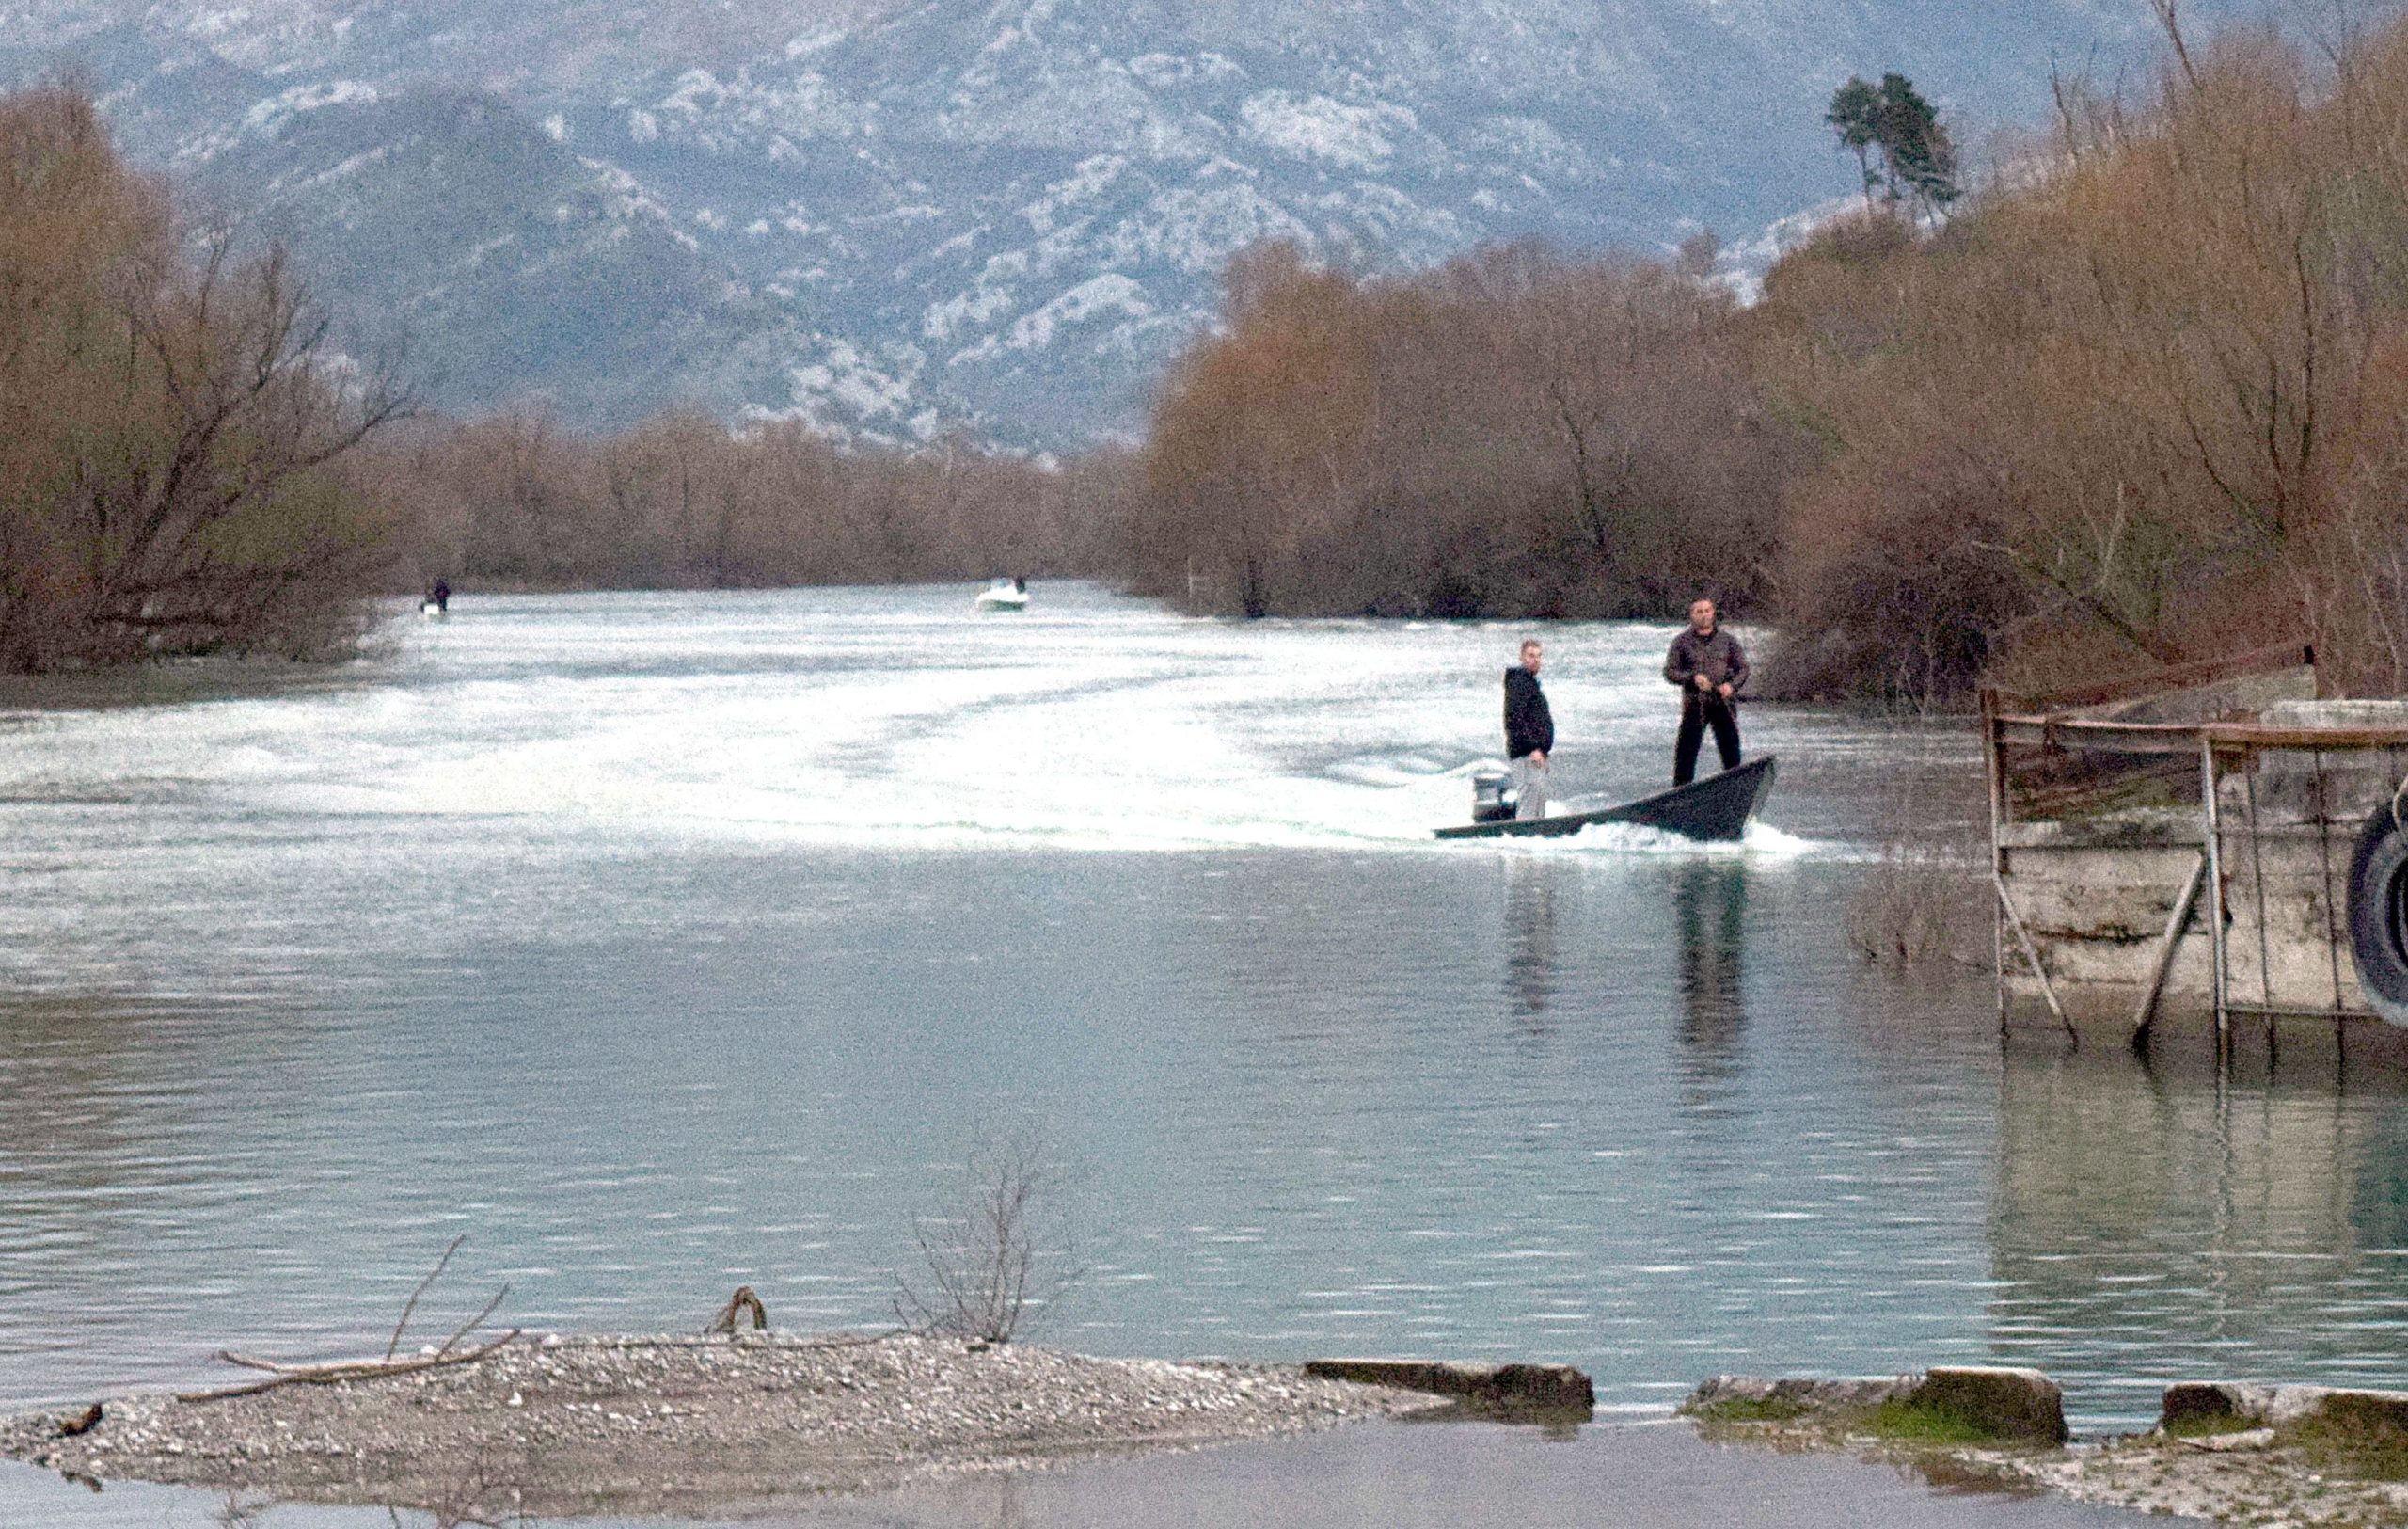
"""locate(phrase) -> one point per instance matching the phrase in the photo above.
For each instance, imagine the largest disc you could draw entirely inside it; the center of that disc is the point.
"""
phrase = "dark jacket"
(1718, 658)
(1529, 729)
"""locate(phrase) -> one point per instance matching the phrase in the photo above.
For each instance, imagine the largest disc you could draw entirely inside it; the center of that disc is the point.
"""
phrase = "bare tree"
(997, 1253)
(169, 421)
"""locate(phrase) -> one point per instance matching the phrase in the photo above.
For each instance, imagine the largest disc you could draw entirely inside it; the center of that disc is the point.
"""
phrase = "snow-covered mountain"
(1002, 214)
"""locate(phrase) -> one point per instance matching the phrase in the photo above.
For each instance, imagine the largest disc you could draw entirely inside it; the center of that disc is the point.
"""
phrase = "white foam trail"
(895, 718)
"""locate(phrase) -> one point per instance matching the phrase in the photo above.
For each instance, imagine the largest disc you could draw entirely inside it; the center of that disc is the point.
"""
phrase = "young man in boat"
(1529, 732)
(1709, 666)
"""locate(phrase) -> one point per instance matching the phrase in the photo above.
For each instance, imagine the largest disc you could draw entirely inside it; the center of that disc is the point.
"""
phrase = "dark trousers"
(1697, 714)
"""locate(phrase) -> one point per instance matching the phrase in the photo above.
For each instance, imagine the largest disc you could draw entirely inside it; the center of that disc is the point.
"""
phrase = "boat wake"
(885, 720)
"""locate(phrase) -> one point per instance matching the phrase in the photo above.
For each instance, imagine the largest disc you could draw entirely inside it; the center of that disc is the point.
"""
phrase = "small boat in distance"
(1717, 809)
(1003, 594)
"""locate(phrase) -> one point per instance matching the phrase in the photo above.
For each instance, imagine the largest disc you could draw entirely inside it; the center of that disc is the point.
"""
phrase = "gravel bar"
(561, 1426)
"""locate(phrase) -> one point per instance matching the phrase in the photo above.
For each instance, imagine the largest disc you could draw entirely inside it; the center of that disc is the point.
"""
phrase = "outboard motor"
(1490, 802)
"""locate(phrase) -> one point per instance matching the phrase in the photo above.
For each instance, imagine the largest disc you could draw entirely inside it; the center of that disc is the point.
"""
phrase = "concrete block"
(1850, 1394)
(1554, 1387)
(2006, 1403)
(2279, 1405)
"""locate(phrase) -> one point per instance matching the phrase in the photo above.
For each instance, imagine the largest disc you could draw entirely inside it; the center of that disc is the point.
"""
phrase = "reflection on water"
(1532, 888)
(681, 1009)
(1384, 1475)
(2151, 1224)
(1710, 906)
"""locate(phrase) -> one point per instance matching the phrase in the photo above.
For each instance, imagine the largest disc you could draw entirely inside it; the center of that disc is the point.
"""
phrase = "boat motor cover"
(1489, 803)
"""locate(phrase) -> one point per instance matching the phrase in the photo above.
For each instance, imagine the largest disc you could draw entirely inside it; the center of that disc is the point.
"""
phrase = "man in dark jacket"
(1707, 664)
(1530, 733)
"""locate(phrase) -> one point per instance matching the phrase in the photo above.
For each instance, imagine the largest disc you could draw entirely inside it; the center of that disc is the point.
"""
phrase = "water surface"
(665, 942)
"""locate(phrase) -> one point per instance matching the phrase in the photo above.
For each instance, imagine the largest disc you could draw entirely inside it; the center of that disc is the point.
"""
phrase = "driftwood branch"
(342, 1370)
(448, 1353)
(475, 1322)
(411, 1305)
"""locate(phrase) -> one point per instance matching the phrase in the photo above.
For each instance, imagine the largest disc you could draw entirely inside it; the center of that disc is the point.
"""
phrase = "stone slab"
(1821, 1395)
(1555, 1386)
(2006, 1403)
(2276, 1405)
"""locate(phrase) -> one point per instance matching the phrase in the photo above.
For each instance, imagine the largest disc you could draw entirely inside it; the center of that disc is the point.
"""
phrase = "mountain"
(999, 216)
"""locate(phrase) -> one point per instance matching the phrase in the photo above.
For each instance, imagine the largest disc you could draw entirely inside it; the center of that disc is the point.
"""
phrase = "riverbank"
(2267, 1456)
(565, 1426)
(685, 1426)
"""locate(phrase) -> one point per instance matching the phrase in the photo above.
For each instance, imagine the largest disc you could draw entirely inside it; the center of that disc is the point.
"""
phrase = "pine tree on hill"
(1855, 116)
(1918, 158)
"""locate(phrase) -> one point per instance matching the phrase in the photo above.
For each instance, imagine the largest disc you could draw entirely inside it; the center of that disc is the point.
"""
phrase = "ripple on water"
(589, 928)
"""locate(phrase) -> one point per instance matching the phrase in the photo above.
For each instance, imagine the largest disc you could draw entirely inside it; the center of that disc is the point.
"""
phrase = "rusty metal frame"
(2213, 745)
(2175, 927)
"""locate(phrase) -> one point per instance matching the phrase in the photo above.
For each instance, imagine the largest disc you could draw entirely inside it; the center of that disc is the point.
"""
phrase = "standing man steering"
(1707, 664)
(1530, 733)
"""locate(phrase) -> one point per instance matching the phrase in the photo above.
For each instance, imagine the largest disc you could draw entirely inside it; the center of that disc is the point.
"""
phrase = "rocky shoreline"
(565, 1426)
(2265, 1457)
(570, 1426)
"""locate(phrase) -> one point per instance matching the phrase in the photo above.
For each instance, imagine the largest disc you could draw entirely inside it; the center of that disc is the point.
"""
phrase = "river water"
(660, 943)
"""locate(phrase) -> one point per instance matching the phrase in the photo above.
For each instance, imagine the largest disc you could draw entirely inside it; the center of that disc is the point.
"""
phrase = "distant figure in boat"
(439, 596)
(1003, 594)
(1707, 664)
(1529, 732)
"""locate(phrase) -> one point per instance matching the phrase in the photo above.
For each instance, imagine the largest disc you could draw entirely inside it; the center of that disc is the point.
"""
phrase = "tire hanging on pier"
(2378, 913)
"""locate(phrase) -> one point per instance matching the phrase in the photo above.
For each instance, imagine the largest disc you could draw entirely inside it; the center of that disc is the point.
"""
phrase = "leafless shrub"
(240, 1511)
(476, 1499)
(1925, 899)
(997, 1255)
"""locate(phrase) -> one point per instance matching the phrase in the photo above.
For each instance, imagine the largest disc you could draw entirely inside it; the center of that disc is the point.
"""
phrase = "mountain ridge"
(956, 214)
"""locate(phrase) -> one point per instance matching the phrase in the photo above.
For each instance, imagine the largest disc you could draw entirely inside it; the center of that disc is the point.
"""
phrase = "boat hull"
(1717, 809)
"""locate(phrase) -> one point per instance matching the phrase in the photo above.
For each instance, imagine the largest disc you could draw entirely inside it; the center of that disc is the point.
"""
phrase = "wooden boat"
(1717, 810)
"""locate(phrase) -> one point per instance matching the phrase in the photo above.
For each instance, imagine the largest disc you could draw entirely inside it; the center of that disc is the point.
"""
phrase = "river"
(664, 942)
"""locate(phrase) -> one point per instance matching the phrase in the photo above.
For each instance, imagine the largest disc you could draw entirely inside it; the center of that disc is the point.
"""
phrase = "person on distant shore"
(1529, 732)
(1709, 666)
(439, 596)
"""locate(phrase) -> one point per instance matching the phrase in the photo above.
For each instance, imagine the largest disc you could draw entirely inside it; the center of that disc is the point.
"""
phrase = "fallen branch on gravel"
(447, 1354)
(341, 1370)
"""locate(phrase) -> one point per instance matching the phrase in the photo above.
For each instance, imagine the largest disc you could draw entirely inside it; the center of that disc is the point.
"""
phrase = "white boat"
(430, 610)
(1004, 595)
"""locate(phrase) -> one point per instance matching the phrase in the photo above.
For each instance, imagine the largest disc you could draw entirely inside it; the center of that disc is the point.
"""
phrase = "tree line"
(190, 464)
(168, 433)
(2140, 399)
(514, 500)
(2140, 396)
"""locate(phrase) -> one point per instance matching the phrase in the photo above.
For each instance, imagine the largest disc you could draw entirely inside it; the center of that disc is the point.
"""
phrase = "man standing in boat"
(1529, 732)
(1707, 664)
